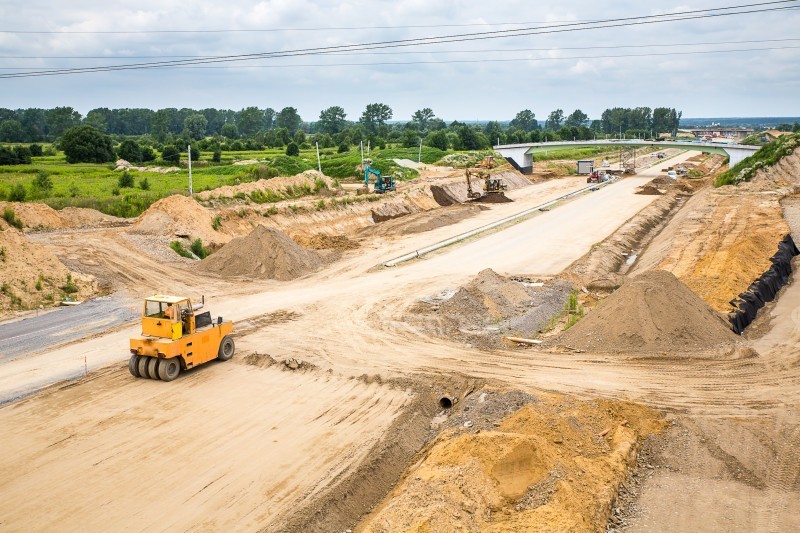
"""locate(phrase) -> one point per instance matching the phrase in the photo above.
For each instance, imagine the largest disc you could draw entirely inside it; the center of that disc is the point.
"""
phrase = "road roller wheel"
(168, 369)
(152, 367)
(142, 366)
(226, 348)
(133, 366)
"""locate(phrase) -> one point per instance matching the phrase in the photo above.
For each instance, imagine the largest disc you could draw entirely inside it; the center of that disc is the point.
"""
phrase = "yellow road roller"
(176, 337)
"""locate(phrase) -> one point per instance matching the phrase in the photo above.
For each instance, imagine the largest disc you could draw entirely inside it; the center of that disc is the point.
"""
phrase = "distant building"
(718, 131)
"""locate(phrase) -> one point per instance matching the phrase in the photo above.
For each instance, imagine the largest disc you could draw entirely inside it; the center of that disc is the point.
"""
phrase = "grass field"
(97, 185)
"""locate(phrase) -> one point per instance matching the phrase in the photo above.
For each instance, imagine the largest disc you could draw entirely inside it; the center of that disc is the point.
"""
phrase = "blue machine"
(382, 183)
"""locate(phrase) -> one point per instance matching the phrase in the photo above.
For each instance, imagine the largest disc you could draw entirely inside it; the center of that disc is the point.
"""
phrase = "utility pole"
(319, 161)
(189, 149)
(419, 157)
(362, 152)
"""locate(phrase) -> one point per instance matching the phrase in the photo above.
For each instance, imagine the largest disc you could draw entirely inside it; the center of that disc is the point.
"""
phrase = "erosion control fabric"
(765, 288)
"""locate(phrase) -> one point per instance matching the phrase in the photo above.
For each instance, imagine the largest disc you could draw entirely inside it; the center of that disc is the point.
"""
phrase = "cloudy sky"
(645, 65)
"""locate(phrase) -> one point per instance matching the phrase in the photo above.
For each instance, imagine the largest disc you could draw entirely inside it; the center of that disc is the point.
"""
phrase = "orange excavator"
(490, 185)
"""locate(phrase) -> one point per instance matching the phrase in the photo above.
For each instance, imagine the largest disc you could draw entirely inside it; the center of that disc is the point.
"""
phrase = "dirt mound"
(653, 312)
(31, 276)
(178, 216)
(454, 191)
(649, 190)
(308, 180)
(266, 253)
(490, 306)
(35, 215)
(554, 464)
(323, 241)
(83, 217)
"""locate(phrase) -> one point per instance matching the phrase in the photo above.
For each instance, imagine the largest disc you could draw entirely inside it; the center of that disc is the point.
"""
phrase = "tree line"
(139, 133)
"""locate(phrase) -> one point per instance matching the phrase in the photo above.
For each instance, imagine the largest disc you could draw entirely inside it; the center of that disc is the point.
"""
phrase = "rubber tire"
(152, 367)
(226, 348)
(142, 366)
(169, 369)
(133, 366)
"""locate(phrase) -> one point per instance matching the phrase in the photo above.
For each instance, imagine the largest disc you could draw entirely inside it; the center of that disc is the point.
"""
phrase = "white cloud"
(486, 89)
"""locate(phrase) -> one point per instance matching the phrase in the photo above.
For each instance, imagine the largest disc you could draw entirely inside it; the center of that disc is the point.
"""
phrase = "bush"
(42, 183)
(70, 287)
(125, 180)
(36, 150)
(217, 157)
(144, 184)
(292, 149)
(199, 250)
(148, 154)
(177, 247)
(170, 154)
(85, 144)
(130, 151)
(343, 148)
(11, 217)
(17, 193)
(216, 223)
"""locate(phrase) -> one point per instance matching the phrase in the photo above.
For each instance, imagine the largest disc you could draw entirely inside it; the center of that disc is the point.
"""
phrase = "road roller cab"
(176, 337)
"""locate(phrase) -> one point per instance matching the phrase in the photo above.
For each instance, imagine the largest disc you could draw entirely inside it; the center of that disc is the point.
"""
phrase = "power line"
(408, 52)
(332, 28)
(609, 23)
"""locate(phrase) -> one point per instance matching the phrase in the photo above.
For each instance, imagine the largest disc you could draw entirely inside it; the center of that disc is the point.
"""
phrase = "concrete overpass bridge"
(522, 156)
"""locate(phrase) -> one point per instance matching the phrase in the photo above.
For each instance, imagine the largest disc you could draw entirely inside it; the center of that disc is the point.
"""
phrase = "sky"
(490, 79)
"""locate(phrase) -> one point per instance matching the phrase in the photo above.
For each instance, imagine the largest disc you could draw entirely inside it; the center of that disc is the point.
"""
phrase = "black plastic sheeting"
(765, 288)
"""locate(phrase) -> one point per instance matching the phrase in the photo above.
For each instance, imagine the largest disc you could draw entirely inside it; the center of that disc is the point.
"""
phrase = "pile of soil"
(323, 241)
(266, 253)
(653, 312)
(454, 191)
(39, 216)
(23, 264)
(649, 190)
(278, 185)
(519, 462)
(492, 306)
(178, 216)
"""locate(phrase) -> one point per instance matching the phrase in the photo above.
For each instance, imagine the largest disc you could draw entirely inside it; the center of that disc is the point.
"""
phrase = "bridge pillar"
(737, 155)
(519, 158)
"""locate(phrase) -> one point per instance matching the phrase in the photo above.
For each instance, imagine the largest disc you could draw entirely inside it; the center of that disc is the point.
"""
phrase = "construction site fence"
(765, 288)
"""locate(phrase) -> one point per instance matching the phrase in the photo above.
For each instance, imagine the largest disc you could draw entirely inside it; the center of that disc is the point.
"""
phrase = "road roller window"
(154, 309)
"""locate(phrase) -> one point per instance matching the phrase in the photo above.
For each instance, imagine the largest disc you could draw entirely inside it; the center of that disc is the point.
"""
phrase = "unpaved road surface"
(232, 448)
(198, 449)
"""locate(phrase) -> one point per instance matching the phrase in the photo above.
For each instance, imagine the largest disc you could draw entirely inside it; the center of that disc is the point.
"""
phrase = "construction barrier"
(765, 288)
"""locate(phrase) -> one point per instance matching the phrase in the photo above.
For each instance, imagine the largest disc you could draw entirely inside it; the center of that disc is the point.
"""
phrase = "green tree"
(471, 139)
(292, 149)
(289, 118)
(85, 144)
(170, 154)
(410, 138)
(125, 180)
(98, 118)
(422, 118)
(17, 193)
(577, 118)
(375, 116)
(195, 126)
(229, 131)
(42, 184)
(437, 139)
(130, 151)
(250, 120)
(554, 120)
(11, 131)
(60, 119)
(300, 137)
(159, 125)
(525, 120)
(332, 120)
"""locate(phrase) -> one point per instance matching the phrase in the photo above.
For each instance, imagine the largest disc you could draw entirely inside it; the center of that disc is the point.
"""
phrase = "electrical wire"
(614, 23)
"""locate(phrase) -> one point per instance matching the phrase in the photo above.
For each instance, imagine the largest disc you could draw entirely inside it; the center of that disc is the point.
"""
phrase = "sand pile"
(30, 275)
(323, 241)
(543, 467)
(278, 185)
(653, 312)
(266, 253)
(35, 215)
(454, 191)
(489, 307)
(649, 190)
(178, 216)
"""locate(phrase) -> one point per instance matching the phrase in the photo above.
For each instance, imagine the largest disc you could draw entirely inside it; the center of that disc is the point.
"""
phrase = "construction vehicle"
(175, 338)
(382, 183)
(599, 176)
(490, 185)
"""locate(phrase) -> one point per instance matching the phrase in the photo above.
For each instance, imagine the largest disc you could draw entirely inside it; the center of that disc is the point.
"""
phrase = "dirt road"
(109, 436)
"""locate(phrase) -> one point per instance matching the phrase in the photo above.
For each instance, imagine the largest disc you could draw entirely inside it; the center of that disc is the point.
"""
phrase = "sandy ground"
(348, 319)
